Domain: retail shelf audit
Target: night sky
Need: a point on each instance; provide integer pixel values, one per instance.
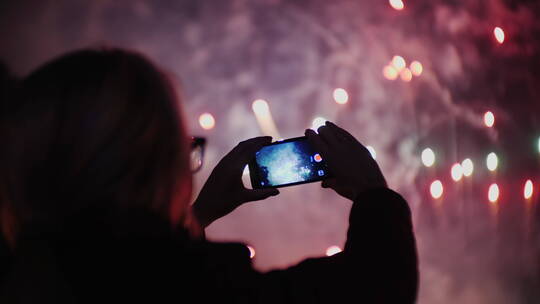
(223, 55)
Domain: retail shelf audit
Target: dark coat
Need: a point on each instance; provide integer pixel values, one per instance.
(377, 265)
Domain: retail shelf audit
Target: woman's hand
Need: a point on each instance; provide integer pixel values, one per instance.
(224, 191)
(350, 163)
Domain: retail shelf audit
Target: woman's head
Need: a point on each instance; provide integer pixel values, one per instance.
(7, 86)
(96, 129)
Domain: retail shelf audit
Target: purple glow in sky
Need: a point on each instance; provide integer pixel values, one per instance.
(294, 54)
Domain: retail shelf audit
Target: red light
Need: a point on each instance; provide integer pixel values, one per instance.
(499, 34)
(489, 119)
(317, 157)
(397, 4)
(436, 189)
(341, 96)
(528, 189)
(493, 193)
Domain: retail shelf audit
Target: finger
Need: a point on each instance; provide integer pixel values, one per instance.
(243, 153)
(248, 148)
(241, 146)
(238, 153)
(329, 183)
(316, 141)
(328, 136)
(259, 194)
(340, 131)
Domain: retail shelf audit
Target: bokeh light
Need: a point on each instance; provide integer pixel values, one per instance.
(468, 167)
(398, 63)
(333, 250)
(493, 193)
(416, 68)
(456, 172)
(372, 151)
(207, 121)
(294, 55)
(397, 4)
(492, 161)
(428, 157)
(499, 34)
(528, 189)
(436, 189)
(390, 72)
(260, 107)
(489, 119)
(318, 122)
(341, 96)
(251, 252)
(264, 118)
(406, 75)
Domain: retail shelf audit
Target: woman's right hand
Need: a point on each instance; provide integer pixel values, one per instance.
(350, 163)
(224, 191)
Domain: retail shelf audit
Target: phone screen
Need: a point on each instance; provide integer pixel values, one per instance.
(285, 163)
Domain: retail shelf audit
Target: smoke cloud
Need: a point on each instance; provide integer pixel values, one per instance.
(293, 54)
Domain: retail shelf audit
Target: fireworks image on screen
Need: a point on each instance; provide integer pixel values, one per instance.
(287, 163)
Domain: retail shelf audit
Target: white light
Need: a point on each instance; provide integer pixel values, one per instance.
(264, 118)
(499, 34)
(251, 252)
(246, 170)
(428, 157)
(456, 172)
(260, 107)
(492, 161)
(489, 119)
(468, 167)
(318, 122)
(207, 121)
(416, 68)
(341, 96)
(397, 4)
(398, 63)
(538, 144)
(372, 151)
(333, 250)
(528, 189)
(493, 193)
(436, 189)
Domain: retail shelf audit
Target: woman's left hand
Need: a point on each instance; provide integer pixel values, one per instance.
(224, 191)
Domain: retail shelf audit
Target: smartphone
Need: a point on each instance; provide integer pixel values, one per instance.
(285, 163)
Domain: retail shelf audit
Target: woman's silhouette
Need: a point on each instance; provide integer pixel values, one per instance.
(96, 176)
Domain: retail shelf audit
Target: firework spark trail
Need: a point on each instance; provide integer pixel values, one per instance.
(229, 53)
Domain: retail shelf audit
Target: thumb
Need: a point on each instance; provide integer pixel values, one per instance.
(329, 183)
(259, 194)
